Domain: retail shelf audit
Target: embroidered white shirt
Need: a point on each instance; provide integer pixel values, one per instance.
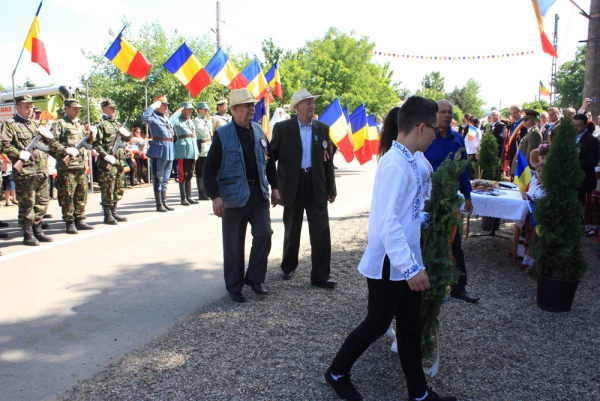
(394, 218)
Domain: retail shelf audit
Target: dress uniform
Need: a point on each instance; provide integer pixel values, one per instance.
(32, 180)
(221, 118)
(161, 149)
(111, 167)
(203, 126)
(186, 152)
(71, 164)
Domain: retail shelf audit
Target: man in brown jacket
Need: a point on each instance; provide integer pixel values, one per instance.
(531, 140)
(306, 182)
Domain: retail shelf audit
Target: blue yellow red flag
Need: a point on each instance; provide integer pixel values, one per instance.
(187, 68)
(522, 173)
(274, 80)
(338, 129)
(222, 70)
(127, 58)
(360, 135)
(34, 44)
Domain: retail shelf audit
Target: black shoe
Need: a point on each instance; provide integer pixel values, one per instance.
(464, 296)
(203, 197)
(163, 195)
(288, 275)
(108, 217)
(2, 235)
(432, 396)
(343, 386)
(47, 216)
(237, 297)
(323, 283)
(116, 215)
(28, 237)
(3, 224)
(71, 227)
(258, 288)
(81, 225)
(45, 226)
(39, 234)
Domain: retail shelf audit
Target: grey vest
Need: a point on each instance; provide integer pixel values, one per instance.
(233, 184)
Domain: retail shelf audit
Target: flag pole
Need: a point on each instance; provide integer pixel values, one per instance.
(14, 89)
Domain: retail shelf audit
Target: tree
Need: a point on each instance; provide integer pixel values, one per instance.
(467, 98)
(568, 84)
(339, 65)
(28, 83)
(539, 105)
(434, 86)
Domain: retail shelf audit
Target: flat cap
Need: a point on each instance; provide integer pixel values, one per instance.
(72, 103)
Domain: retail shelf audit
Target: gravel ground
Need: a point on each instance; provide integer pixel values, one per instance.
(277, 347)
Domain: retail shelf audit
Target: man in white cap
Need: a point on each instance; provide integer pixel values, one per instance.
(307, 181)
(237, 173)
(221, 118)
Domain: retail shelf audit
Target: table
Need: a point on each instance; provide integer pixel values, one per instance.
(508, 205)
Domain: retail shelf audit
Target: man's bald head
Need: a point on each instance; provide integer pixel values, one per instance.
(445, 114)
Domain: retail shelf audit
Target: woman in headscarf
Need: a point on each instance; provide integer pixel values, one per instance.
(278, 115)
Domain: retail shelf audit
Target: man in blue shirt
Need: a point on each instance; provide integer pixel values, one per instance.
(446, 143)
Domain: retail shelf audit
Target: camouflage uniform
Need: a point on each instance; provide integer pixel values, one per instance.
(71, 176)
(32, 181)
(111, 181)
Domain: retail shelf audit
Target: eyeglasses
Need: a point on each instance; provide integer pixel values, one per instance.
(430, 126)
(450, 112)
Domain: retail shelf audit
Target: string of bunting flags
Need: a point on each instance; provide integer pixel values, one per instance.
(452, 58)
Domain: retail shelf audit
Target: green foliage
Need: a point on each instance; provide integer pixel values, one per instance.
(434, 86)
(489, 161)
(568, 84)
(339, 65)
(505, 112)
(467, 98)
(28, 83)
(539, 105)
(157, 46)
(457, 114)
(435, 245)
(557, 248)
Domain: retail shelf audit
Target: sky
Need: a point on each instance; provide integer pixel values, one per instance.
(425, 27)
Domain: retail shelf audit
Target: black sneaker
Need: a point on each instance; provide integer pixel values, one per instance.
(343, 386)
(432, 396)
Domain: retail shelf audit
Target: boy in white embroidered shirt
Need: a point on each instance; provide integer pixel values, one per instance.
(392, 262)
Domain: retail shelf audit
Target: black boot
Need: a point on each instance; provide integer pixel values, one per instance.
(184, 201)
(71, 228)
(116, 215)
(201, 194)
(3, 224)
(39, 234)
(159, 204)
(45, 226)
(108, 217)
(188, 193)
(28, 237)
(163, 196)
(81, 225)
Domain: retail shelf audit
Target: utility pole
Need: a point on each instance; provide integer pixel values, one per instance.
(591, 85)
(553, 74)
(219, 24)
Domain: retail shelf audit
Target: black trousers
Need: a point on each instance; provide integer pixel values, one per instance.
(388, 299)
(185, 169)
(459, 257)
(235, 221)
(318, 230)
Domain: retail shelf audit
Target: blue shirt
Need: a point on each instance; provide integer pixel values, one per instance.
(442, 148)
(305, 138)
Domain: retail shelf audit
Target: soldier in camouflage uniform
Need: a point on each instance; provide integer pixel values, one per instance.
(32, 181)
(111, 168)
(71, 166)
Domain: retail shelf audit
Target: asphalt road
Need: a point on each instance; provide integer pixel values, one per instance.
(73, 306)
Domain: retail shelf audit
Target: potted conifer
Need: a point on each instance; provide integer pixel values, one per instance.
(487, 165)
(558, 260)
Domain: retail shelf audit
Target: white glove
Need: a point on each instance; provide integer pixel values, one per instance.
(45, 132)
(72, 152)
(24, 155)
(110, 159)
(156, 104)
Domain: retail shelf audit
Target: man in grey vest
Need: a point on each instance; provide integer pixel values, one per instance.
(237, 174)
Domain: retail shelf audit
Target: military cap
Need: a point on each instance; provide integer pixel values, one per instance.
(186, 105)
(60, 111)
(72, 103)
(220, 102)
(161, 98)
(108, 103)
(530, 113)
(201, 105)
(36, 109)
(24, 99)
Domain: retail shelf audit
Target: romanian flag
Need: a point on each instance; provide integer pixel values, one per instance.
(360, 135)
(338, 129)
(541, 7)
(261, 116)
(127, 58)
(347, 115)
(257, 83)
(522, 173)
(222, 70)
(373, 134)
(515, 130)
(274, 80)
(187, 68)
(472, 133)
(543, 90)
(34, 44)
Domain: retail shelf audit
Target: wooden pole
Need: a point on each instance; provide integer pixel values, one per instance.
(591, 86)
